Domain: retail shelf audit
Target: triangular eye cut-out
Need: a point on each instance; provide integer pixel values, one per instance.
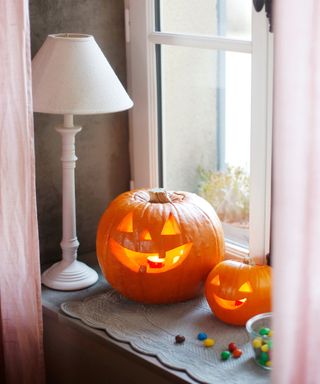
(216, 280)
(145, 235)
(170, 227)
(126, 224)
(246, 287)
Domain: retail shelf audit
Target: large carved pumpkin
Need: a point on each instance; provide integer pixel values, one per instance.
(236, 291)
(155, 246)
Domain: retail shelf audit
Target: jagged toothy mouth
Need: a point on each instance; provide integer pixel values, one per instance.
(150, 262)
(230, 304)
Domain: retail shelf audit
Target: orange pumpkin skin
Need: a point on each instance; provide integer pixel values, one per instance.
(181, 229)
(236, 291)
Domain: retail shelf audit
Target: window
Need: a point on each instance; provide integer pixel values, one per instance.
(199, 75)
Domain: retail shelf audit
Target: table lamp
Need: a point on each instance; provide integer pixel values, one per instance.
(71, 76)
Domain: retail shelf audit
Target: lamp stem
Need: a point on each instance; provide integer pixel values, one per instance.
(69, 274)
(69, 243)
(68, 120)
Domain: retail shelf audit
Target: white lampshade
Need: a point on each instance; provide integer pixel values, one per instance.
(71, 75)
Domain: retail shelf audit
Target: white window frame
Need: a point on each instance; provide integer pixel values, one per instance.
(141, 75)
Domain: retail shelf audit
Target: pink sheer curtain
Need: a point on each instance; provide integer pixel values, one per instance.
(296, 193)
(20, 301)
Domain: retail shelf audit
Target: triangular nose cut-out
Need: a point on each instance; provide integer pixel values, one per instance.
(246, 287)
(171, 226)
(145, 235)
(126, 224)
(216, 280)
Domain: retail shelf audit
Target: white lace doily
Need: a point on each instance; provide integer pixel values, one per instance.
(151, 329)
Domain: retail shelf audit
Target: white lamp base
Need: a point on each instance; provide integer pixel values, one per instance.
(69, 276)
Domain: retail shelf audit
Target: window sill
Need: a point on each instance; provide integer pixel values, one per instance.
(77, 353)
(235, 252)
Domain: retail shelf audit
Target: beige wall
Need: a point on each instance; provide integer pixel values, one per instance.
(102, 147)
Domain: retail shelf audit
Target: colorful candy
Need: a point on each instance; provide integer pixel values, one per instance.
(202, 336)
(237, 353)
(232, 347)
(225, 355)
(180, 339)
(232, 350)
(257, 342)
(264, 331)
(264, 357)
(209, 343)
(262, 346)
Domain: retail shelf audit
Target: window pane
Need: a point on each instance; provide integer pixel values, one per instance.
(206, 129)
(238, 109)
(189, 96)
(230, 18)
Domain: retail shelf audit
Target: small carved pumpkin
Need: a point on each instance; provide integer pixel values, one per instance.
(158, 247)
(236, 291)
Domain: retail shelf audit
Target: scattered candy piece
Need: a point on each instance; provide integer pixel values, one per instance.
(237, 353)
(265, 348)
(232, 347)
(269, 363)
(180, 339)
(225, 355)
(202, 336)
(270, 333)
(209, 343)
(264, 331)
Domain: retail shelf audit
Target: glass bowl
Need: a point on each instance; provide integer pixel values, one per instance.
(260, 333)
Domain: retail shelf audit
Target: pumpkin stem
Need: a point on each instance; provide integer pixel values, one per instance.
(160, 195)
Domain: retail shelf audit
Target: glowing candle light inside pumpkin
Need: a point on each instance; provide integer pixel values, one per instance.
(155, 261)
